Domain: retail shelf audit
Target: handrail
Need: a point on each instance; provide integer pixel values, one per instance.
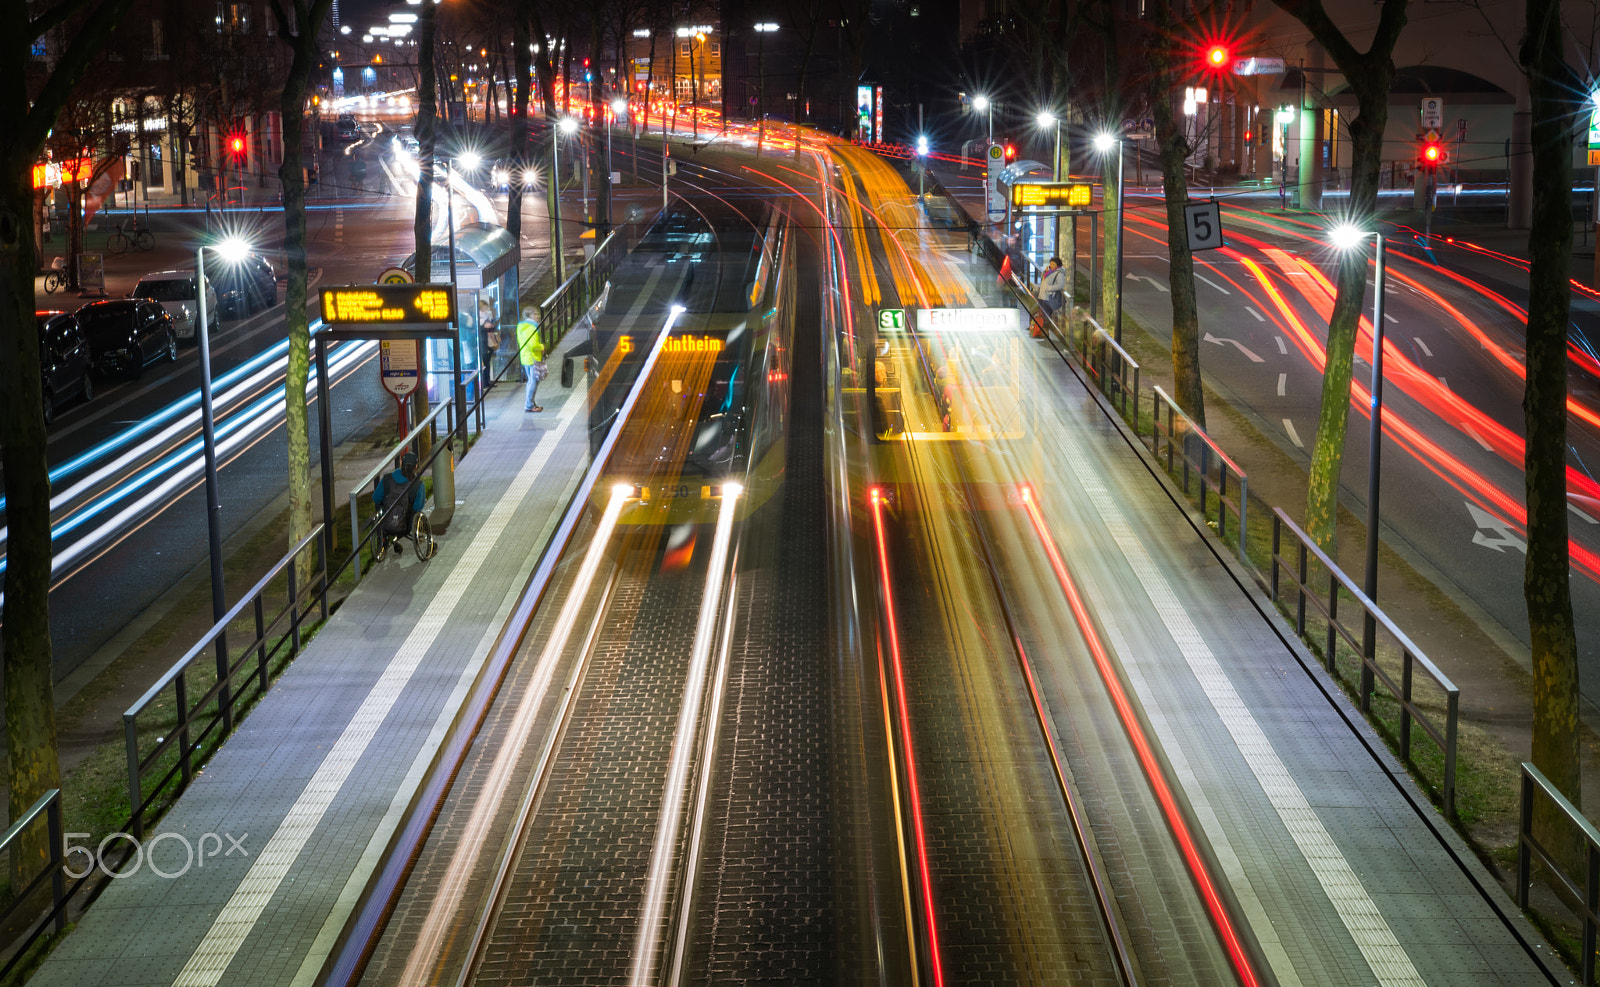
(221, 690)
(1208, 448)
(1410, 653)
(1124, 362)
(49, 805)
(356, 538)
(1588, 895)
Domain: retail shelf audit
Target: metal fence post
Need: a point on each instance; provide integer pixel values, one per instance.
(355, 533)
(1405, 702)
(1333, 622)
(1591, 900)
(1277, 543)
(1524, 833)
(58, 881)
(1451, 727)
(130, 735)
(1300, 608)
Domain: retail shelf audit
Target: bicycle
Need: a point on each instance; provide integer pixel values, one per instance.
(139, 237)
(55, 278)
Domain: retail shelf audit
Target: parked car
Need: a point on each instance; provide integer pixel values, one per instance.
(63, 361)
(349, 130)
(245, 286)
(124, 334)
(175, 291)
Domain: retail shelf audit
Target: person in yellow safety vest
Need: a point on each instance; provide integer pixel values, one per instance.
(530, 352)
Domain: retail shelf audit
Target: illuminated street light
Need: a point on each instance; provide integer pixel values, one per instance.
(982, 105)
(1348, 237)
(568, 125)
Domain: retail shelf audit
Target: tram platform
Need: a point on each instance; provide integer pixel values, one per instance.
(317, 778)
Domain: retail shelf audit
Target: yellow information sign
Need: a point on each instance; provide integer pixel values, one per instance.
(390, 303)
(1054, 195)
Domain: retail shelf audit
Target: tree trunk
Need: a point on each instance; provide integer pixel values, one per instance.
(292, 178)
(427, 135)
(1333, 416)
(29, 696)
(521, 161)
(1555, 107)
(1172, 147)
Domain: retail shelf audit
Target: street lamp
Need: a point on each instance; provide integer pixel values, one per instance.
(922, 161)
(1049, 121)
(566, 125)
(762, 30)
(1104, 143)
(231, 250)
(982, 105)
(619, 110)
(1347, 237)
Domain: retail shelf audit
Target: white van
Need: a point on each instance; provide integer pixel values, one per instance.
(175, 291)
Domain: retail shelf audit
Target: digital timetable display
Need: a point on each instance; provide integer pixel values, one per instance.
(1073, 195)
(387, 303)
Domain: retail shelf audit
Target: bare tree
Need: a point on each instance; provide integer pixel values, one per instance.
(1369, 74)
(72, 32)
(298, 28)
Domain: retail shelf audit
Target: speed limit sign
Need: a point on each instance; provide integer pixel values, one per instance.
(1203, 222)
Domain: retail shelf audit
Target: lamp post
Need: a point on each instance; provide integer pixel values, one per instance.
(231, 250)
(1348, 237)
(922, 157)
(762, 30)
(565, 125)
(1104, 143)
(619, 110)
(1047, 121)
(983, 105)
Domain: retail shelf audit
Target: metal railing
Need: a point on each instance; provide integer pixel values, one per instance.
(1111, 375)
(212, 716)
(1529, 845)
(568, 303)
(1180, 435)
(1305, 552)
(48, 808)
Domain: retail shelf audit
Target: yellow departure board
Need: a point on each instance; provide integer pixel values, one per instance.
(386, 303)
(1057, 195)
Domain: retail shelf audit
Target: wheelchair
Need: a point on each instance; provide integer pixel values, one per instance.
(394, 528)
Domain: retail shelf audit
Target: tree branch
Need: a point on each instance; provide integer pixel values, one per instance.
(97, 29)
(54, 17)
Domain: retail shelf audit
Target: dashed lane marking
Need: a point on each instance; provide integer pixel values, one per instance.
(1423, 346)
(1288, 426)
(1283, 348)
(1474, 435)
(1283, 383)
(1213, 284)
(1259, 317)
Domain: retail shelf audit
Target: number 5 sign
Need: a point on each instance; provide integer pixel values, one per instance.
(1203, 223)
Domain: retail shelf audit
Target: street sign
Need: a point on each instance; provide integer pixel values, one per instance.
(396, 275)
(399, 366)
(998, 319)
(892, 320)
(1594, 157)
(387, 303)
(1070, 195)
(1432, 113)
(1594, 126)
(1203, 223)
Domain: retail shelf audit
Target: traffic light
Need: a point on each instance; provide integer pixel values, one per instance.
(1011, 152)
(1431, 154)
(1217, 57)
(236, 146)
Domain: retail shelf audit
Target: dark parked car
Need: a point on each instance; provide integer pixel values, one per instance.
(124, 334)
(244, 287)
(64, 361)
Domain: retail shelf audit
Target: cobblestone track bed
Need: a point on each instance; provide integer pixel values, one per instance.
(1012, 896)
(767, 911)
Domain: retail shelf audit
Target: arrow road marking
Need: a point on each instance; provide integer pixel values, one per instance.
(1288, 426)
(1154, 283)
(1213, 284)
(1254, 313)
(1240, 346)
(1474, 435)
(1422, 345)
(1500, 535)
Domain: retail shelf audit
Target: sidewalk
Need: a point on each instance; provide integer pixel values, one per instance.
(314, 782)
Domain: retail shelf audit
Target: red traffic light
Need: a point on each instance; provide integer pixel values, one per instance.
(1217, 57)
(1249, 136)
(236, 146)
(1432, 154)
(1011, 151)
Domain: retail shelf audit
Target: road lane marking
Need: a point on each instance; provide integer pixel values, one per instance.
(1288, 426)
(1424, 346)
(1582, 515)
(1283, 382)
(1213, 284)
(1366, 925)
(1391, 318)
(1259, 317)
(1446, 385)
(1219, 340)
(1154, 283)
(1282, 347)
(1500, 536)
(1473, 434)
